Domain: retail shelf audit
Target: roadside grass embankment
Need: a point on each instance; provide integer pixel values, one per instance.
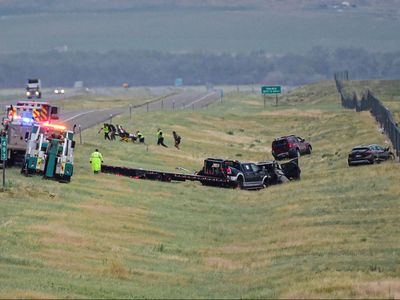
(332, 234)
(388, 91)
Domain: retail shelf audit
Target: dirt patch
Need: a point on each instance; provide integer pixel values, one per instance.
(175, 258)
(227, 137)
(222, 263)
(58, 234)
(254, 103)
(294, 112)
(389, 289)
(26, 295)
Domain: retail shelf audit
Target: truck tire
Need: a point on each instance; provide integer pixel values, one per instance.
(240, 183)
(283, 179)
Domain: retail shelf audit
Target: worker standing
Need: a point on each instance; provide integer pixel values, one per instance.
(177, 139)
(96, 160)
(160, 138)
(106, 130)
(140, 136)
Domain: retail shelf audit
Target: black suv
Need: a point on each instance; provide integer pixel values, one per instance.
(369, 154)
(290, 146)
(245, 175)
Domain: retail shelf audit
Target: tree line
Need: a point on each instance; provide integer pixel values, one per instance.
(152, 68)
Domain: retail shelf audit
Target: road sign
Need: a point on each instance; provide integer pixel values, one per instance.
(178, 82)
(271, 89)
(3, 141)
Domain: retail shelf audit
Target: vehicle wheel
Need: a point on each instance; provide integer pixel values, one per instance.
(372, 161)
(240, 184)
(309, 150)
(283, 179)
(265, 183)
(391, 155)
(297, 153)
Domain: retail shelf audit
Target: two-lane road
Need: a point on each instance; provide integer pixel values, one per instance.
(92, 117)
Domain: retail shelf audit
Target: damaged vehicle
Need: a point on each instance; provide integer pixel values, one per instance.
(281, 173)
(248, 175)
(368, 154)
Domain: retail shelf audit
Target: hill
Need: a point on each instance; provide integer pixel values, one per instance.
(333, 234)
(185, 26)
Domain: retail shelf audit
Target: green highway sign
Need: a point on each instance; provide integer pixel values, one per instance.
(178, 82)
(271, 89)
(3, 141)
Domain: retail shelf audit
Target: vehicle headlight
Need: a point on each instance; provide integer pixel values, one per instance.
(56, 91)
(28, 93)
(37, 93)
(62, 91)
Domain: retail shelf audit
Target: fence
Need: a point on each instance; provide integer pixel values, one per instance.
(369, 102)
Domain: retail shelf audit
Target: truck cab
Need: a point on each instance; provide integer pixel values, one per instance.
(33, 89)
(18, 123)
(246, 175)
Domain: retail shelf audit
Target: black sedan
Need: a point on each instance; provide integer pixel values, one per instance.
(368, 154)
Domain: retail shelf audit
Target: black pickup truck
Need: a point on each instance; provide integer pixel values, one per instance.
(248, 175)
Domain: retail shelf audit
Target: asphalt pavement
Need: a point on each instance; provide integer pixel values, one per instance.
(185, 100)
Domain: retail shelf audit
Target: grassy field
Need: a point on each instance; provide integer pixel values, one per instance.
(205, 29)
(334, 234)
(388, 91)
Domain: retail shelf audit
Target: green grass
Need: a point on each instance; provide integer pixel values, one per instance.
(334, 234)
(388, 91)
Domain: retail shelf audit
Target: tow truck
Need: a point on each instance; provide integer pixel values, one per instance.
(221, 173)
(18, 123)
(50, 152)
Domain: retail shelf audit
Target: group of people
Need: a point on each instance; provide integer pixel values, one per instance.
(160, 138)
(110, 132)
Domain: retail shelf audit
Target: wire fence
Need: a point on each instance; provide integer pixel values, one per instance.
(369, 102)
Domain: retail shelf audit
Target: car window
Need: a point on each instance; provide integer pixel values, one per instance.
(247, 168)
(255, 168)
(280, 142)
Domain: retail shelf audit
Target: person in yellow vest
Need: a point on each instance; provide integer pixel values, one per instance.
(96, 160)
(140, 136)
(106, 131)
(160, 138)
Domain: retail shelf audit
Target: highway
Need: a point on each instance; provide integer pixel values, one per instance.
(87, 118)
(185, 100)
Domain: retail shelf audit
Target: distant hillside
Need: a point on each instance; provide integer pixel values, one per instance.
(34, 6)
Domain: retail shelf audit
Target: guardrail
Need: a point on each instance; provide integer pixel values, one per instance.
(369, 102)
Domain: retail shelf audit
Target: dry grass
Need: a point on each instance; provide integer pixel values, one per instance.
(331, 235)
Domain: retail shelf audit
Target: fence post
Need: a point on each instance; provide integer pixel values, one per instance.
(80, 135)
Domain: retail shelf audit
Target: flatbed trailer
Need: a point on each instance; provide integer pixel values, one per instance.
(167, 176)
